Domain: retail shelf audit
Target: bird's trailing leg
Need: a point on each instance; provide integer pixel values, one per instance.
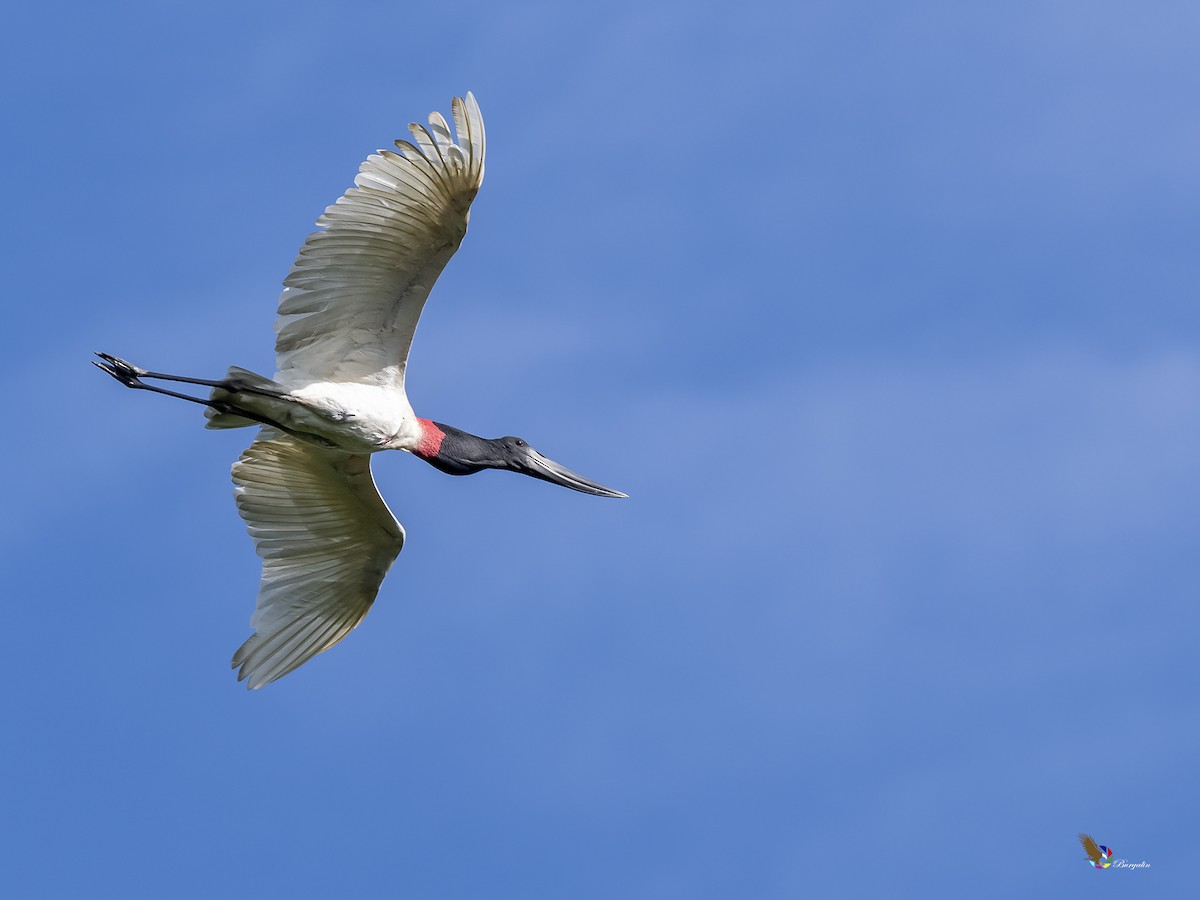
(130, 376)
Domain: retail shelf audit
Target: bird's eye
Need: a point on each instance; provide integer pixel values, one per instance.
(520, 443)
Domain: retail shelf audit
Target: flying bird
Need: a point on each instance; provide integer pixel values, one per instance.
(346, 320)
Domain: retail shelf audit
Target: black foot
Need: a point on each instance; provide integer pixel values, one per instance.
(126, 373)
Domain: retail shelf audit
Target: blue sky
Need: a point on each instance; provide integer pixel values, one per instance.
(885, 316)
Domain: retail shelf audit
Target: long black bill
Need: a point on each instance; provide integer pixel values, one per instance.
(548, 470)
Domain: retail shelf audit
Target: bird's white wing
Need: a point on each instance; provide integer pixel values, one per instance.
(355, 292)
(326, 539)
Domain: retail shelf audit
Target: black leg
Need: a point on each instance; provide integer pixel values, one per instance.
(131, 376)
(125, 372)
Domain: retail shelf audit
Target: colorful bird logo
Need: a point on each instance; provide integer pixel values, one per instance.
(1099, 856)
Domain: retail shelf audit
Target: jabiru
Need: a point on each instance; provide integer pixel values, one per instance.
(345, 323)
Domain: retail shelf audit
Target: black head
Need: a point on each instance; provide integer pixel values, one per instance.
(458, 452)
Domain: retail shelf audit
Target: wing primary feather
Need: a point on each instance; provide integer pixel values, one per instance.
(441, 132)
(478, 136)
(435, 162)
(462, 125)
(290, 652)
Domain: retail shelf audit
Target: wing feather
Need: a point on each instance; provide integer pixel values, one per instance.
(326, 539)
(474, 121)
(441, 132)
(425, 142)
(353, 297)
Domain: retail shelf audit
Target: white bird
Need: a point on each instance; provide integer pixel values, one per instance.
(346, 320)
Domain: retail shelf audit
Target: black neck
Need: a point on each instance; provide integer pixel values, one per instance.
(463, 453)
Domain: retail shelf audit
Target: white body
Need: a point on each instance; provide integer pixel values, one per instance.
(355, 417)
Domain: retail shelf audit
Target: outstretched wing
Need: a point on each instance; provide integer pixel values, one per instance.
(326, 539)
(355, 292)
(1090, 847)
